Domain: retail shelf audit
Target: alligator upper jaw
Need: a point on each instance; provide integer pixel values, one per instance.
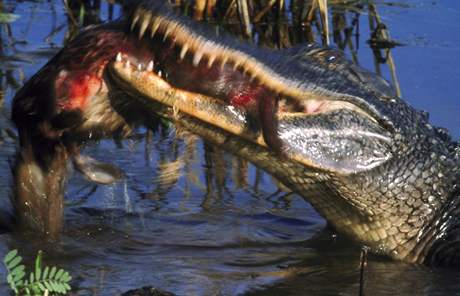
(240, 89)
(330, 136)
(192, 57)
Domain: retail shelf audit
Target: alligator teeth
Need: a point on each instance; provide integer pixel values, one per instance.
(118, 58)
(183, 51)
(127, 64)
(173, 42)
(136, 17)
(167, 32)
(211, 60)
(197, 58)
(235, 66)
(139, 67)
(144, 24)
(160, 74)
(150, 66)
(223, 62)
(155, 25)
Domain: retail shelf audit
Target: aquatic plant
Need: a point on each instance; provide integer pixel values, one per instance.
(6, 18)
(41, 281)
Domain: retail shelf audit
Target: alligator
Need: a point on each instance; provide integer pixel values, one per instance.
(336, 134)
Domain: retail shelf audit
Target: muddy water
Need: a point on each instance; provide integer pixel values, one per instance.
(194, 220)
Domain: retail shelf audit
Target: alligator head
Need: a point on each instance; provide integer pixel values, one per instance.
(371, 165)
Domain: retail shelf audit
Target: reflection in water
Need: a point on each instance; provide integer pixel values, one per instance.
(189, 217)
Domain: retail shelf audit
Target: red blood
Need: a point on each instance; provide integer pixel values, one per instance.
(246, 97)
(74, 90)
(83, 62)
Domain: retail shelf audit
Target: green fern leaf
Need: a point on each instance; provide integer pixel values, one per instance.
(18, 276)
(59, 288)
(14, 262)
(18, 269)
(43, 279)
(55, 286)
(48, 286)
(35, 289)
(38, 265)
(68, 277)
(45, 273)
(18, 272)
(12, 284)
(59, 274)
(67, 287)
(52, 272)
(8, 257)
(41, 286)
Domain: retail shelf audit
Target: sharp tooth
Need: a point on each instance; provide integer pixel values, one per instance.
(139, 67)
(160, 74)
(144, 24)
(173, 42)
(223, 62)
(127, 64)
(136, 17)
(211, 60)
(167, 32)
(150, 66)
(118, 58)
(235, 66)
(155, 25)
(197, 58)
(253, 77)
(183, 51)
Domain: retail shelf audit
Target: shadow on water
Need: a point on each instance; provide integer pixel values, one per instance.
(192, 219)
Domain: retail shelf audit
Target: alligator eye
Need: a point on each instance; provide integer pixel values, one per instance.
(331, 58)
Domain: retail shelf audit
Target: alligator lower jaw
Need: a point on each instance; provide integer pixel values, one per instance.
(150, 84)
